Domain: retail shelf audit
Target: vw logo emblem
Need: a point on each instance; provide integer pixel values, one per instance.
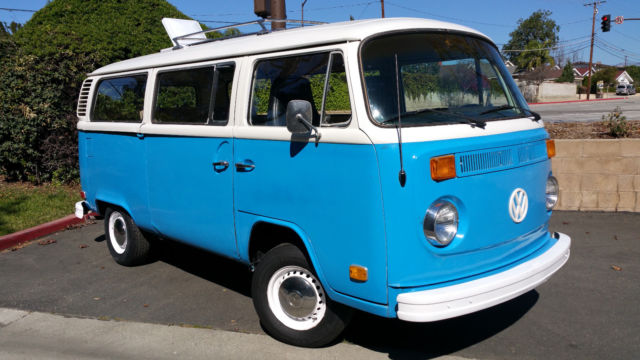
(518, 205)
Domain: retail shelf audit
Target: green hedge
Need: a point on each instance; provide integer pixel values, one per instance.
(43, 65)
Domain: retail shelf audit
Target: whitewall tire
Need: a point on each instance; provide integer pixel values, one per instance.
(126, 242)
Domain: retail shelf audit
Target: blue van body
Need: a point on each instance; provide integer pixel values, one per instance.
(342, 199)
(144, 185)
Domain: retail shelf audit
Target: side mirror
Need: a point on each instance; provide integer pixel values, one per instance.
(298, 116)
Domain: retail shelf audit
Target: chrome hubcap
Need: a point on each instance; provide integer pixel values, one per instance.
(296, 298)
(118, 232)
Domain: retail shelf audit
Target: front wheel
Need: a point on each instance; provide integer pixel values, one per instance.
(291, 302)
(126, 242)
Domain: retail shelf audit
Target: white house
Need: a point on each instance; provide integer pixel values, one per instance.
(622, 77)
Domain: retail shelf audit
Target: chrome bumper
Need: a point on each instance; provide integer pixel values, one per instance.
(472, 296)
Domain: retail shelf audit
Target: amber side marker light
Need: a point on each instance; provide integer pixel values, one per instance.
(443, 167)
(358, 273)
(551, 148)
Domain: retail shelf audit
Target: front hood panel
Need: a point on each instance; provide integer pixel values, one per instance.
(490, 169)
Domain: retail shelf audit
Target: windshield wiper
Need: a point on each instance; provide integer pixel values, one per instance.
(499, 108)
(535, 115)
(468, 119)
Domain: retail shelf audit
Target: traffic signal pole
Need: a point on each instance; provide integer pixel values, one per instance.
(593, 29)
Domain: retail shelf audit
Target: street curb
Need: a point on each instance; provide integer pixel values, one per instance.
(41, 230)
(575, 101)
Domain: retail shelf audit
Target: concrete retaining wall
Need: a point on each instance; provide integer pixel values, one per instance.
(601, 175)
(548, 91)
(557, 91)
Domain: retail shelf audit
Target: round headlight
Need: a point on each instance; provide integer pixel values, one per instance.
(551, 192)
(441, 223)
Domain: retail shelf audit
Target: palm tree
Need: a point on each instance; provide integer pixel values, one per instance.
(535, 55)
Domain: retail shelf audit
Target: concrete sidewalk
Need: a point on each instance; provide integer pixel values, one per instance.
(36, 335)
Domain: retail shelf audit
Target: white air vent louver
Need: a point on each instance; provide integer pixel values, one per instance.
(84, 98)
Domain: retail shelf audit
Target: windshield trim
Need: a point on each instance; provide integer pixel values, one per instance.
(409, 32)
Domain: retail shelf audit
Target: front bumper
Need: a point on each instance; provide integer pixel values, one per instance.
(472, 296)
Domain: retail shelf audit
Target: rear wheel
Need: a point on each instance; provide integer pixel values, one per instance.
(126, 242)
(291, 302)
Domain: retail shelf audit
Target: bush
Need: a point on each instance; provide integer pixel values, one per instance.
(617, 123)
(42, 66)
(37, 122)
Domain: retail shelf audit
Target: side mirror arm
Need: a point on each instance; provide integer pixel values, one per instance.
(314, 130)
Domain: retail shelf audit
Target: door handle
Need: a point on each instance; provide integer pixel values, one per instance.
(220, 166)
(244, 167)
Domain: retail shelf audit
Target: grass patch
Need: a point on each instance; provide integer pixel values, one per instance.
(24, 205)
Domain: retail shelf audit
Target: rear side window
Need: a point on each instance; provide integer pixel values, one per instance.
(317, 78)
(194, 96)
(120, 99)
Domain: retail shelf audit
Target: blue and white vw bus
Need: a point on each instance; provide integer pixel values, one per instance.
(386, 165)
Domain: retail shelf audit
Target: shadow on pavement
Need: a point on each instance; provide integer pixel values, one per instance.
(397, 338)
(217, 269)
(405, 340)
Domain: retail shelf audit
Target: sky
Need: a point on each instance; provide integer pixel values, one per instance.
(494, 18)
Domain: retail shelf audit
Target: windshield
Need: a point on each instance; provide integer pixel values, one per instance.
(443, 78)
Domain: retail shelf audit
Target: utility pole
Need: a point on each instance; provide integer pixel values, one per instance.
(278, 12)
(382, 6)
(593, 29)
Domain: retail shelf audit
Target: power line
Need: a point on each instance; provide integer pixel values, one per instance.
(295, 10)
(18, 10)
(220, 21)
(622, 57)
(557, 47)
(627, 36)
(616, 48)
(446, 17)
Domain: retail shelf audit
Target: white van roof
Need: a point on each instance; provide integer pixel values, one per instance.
(280, 40)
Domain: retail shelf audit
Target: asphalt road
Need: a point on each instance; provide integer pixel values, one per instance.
(588, 111)
(586, 311)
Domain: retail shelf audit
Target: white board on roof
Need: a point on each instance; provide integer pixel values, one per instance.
(180, 27)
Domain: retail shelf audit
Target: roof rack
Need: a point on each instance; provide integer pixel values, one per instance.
(260, 22)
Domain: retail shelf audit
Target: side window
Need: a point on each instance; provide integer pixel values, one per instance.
(302, 77)
(194, 96)
(337, 107)
(222, 100)
(120, 99)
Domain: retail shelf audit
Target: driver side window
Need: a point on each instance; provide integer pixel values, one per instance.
(302, 77)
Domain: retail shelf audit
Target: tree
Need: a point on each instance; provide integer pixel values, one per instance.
(7, 44)
(537, 31)
(536, 55)
(43, 65)
(634, 72)
(6, 30)
(606, 75)
(567, 74)
(112, 29)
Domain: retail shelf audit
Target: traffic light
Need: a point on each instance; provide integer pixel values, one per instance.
(606, 23)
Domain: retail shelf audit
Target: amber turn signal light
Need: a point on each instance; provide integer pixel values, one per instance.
(358, 273)
(443, 167)
(551, 148)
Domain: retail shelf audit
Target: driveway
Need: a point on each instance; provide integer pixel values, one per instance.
(586, 311)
